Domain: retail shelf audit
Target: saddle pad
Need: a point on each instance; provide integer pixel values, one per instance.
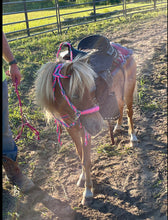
(123, 53)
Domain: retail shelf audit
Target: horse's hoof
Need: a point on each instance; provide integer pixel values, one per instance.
(133, 138)
(133, 143)
(87, 197)
(87, 201)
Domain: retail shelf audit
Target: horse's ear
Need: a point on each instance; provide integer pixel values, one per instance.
(67, 68)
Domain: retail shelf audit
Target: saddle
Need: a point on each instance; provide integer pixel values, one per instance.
(103, 60)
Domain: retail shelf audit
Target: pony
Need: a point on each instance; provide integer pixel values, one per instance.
(66, 91)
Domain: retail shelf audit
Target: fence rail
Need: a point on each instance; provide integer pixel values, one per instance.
(58, 18)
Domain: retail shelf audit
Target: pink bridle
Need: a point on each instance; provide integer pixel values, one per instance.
(56, 78)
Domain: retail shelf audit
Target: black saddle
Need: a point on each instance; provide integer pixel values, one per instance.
(96, 42)
(101, 60)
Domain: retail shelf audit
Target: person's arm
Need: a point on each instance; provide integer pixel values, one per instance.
(8, 57)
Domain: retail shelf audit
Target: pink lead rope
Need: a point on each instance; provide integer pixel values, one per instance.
(26, 123)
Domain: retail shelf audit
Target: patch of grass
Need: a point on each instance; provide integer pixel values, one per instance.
(128, 149)
(152, 82)
(108, 150)
(68, 16)
(65, 149)
(151, 106)
(13, 215)
(157, 183)
(76, 208)
(156, 195)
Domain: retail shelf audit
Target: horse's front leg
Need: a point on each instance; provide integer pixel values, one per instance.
(86, 162)
(78, 136)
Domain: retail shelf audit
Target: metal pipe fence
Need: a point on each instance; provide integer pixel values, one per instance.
(25, 21)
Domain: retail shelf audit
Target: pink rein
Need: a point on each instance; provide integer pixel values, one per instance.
(26, 123)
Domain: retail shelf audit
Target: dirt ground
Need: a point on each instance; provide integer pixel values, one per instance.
(130, 182)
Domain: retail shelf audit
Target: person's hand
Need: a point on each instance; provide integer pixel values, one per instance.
(14, 73)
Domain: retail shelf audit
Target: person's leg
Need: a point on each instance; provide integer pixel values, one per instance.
(9, 149)
(8, 144)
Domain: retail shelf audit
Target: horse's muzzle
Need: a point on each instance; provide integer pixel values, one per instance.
(93, 123)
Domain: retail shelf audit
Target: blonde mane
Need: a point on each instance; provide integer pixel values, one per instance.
(82, 76)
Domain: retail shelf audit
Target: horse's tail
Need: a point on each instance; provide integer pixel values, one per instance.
(43, 87)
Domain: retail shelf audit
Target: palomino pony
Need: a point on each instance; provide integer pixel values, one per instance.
(66, 90)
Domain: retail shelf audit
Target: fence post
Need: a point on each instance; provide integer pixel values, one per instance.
(154, 4)
(94, 10)
(58, 16)
(124, 8)
(26, 18)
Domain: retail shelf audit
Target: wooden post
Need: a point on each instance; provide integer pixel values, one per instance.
(94, 10)
(26, 18)
(58, 16)
(154, 4)
(124, 8)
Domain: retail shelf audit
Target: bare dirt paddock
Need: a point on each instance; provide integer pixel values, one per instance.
(130, 182)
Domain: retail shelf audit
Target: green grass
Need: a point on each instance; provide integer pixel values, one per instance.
(108, 150)
(68, 18)
(145, 87)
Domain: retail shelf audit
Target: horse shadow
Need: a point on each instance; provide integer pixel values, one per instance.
(102, 205)
(8, 203)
